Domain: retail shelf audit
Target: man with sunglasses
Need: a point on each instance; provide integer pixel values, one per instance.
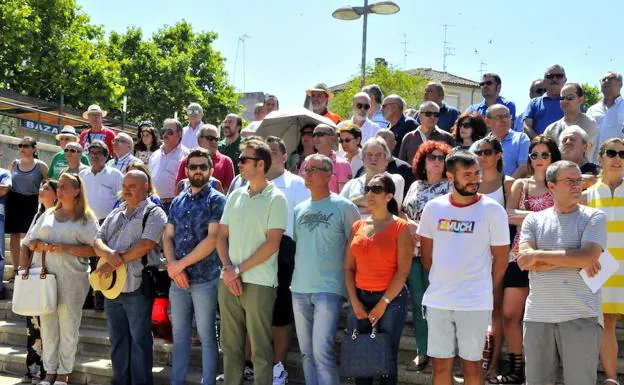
(491, 85)
(393, 107)
(360, 105)
(434, 92)
(563, 318)
(537, 89)
(59, 162)
(429, 115)
(165, 162)
(230, 145)
(375, 113)
(545, 109)
(572, 98)
(73, 153)
(254, 219)
(609, 112)
(194, 114)
(515, 144)
(189, 244)
(324, 141)
(122, 151)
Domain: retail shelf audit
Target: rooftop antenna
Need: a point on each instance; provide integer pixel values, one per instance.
(241, 42)
(447, 50)
(405, 50)
(482, 67)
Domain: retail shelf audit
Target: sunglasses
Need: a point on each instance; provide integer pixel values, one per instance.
(169, 132)
(433, 158)
(321, 134)
(554, 76)
(486, 152)
(540, 91)
(375, 189)
(360, 106)
(195, 167)
(72, 150)
(500, 117)
(430, 114)
(209, 138)
(347, 140)
(21, 145)
(96, 153)
(543, 155)
(567, 97)
(607, 79)
(146, 131)
(613, 153)
(310, 170)
(243, 159)
(486, 83)
(120, 141)
(465, 125)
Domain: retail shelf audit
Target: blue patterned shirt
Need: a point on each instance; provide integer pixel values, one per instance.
(190, 216)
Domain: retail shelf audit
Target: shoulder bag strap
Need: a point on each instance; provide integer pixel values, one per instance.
(147, 213)
(44, 267)
(504, 194)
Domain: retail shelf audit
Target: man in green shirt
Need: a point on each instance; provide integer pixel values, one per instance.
(59, 162)
(257, 215)
(230, 145)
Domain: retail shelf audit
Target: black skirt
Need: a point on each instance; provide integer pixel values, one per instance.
(20, 211)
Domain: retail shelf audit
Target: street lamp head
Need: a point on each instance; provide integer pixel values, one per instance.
(384, 8)
(346, 12)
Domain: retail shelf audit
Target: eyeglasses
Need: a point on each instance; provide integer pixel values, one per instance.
(310, 170)
(209, 138)
(486, 83)
(346, 140)
(195, 167)
(321, 134)
(120, 141)
(433, 158)
(360, 106)
(169, 132)
(567, 97)
(543, 155)
(386, 105)
(430, 114)
(22, 145)
(72, 150)
(540, 91)
(500, 117)
(243, 159)
(486, 152)
(607, 79)
(554, 76)
(375, 189)
(465, 125)
(614, 153)
(571, 182)
(307, 133)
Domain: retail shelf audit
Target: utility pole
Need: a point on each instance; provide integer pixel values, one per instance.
(447, 50)
(482, 67)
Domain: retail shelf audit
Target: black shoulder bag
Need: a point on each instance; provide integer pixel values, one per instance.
(155, 280)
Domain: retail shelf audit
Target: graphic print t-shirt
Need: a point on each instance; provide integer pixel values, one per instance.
(461, 272)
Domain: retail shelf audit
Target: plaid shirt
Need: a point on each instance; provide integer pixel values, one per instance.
(122, 163)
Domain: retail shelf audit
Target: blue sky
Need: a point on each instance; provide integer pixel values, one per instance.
(295, 44)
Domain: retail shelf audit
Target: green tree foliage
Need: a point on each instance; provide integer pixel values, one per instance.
(592, 95)
(391, 80)
(50, 47)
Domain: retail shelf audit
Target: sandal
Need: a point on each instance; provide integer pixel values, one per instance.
(60, 378)
(516, 372)
(611, 381)
(49, 378)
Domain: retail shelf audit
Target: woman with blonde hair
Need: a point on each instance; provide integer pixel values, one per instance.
(65, 233)
(608, 195)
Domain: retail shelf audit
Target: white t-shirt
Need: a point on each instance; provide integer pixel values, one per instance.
(461, 272)
(189, 136)
(102, 189)
(164, 169)
(293, 187)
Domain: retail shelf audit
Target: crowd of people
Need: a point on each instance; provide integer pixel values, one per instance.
(481, 220)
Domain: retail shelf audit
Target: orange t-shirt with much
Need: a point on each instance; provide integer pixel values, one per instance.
(376, 257)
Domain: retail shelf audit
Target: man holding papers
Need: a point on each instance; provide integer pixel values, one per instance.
(607, 195)
(562, 319)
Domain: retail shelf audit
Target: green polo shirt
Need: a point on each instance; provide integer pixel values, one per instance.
(59, 162)
(232, 151)
(249, 219)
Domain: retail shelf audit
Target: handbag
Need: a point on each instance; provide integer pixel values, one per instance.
(35, 291)
(155, 280)
(367, 355)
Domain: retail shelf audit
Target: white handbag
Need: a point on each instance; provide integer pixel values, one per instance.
(34, 291)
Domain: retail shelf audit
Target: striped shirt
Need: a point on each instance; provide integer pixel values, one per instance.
(560, 295)
(599, 196)
(122, 163)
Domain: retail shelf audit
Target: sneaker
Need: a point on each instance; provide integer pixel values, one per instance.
(248, 373)
(280, 375)
(220, 377)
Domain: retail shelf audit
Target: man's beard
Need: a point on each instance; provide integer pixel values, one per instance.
(464, 191)
(198, 181)
(357, 117)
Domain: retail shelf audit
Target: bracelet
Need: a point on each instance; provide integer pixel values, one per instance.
(386, 300)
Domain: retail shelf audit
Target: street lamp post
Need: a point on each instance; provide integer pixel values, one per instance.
(349, 12)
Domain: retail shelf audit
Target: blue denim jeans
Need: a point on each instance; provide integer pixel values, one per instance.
(417, 282)
(2, 254)
(391, 322)
(200, 299)
(316, 322)
(129, 329)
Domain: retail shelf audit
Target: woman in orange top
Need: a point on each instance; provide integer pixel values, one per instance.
(377, 263)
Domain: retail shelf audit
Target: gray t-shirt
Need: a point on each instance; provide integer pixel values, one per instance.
(561, 295)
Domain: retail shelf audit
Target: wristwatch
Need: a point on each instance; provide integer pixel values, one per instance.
(237, 270)
(386, 299)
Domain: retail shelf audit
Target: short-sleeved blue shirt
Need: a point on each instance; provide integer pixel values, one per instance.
(543, 110)
(190, 216)
(515, 151)
(481, 108)
(448, 117)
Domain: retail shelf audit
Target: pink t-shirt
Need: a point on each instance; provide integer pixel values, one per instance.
(341, 173)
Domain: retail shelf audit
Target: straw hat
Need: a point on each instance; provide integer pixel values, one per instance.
(94, 109)
(110, 286)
